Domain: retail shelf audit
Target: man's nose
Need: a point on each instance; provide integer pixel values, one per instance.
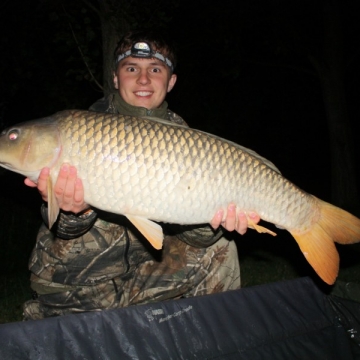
(143, 78)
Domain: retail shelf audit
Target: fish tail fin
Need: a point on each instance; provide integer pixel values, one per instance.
(317, 243)
(340, 224)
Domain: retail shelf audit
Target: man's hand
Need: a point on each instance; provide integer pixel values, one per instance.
(68, 188)
(233, 222)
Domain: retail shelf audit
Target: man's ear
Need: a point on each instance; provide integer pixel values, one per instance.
(172, 82)
(115, 81)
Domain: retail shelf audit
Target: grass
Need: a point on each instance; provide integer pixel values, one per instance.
(263, 258)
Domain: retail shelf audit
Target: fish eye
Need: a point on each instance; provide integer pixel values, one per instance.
(13, 134)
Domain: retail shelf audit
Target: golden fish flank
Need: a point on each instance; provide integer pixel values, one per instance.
(153, 169)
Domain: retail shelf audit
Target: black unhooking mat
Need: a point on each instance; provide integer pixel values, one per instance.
(285, 320)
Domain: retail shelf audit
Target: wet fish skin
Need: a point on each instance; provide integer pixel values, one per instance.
(154, 169)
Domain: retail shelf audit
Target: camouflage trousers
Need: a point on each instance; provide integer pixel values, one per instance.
(183, 271)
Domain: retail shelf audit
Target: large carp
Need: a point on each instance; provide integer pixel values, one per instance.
(148, 168)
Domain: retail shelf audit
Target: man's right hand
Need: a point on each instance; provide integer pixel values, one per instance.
(68, 189)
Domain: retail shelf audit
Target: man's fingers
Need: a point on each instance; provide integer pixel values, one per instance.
(230, 220)
(61, 182)
(254, 217)
(30, 183)
(242, 223)
(78, 199)
(217, 219)
(65, 189)
(233, 220)
(78, 192)
(69, 189)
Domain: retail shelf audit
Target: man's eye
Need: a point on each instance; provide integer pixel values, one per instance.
(156, 70)
(131, 69)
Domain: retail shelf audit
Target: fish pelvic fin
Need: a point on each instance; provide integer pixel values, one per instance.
(317, 243)
(151, 230)
(259, 228)
(53, 206)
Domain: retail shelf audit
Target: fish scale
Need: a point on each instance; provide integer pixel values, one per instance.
(147, 168)
(177, 171)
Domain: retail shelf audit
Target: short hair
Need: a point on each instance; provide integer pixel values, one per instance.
(153, 38)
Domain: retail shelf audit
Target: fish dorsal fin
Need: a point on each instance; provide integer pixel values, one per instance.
(53, 206)
(151, 230)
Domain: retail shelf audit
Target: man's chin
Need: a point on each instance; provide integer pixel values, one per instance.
(143, 103)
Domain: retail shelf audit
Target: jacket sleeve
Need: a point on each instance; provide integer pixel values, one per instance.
(194, 235)
(70, 226)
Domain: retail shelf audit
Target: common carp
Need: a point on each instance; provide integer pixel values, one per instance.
(154, 170)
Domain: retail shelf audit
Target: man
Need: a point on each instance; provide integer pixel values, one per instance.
(92, 261)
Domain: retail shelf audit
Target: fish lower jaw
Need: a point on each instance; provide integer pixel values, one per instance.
(7, 166)
(30, 174)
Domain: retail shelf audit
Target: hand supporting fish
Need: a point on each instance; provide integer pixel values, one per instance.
(68, 189)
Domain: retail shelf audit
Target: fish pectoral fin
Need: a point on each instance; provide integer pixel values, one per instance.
(151, 230)
(53, 206)
(259, 228)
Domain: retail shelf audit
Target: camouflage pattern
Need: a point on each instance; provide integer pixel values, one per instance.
(100, 261)
(182, 271)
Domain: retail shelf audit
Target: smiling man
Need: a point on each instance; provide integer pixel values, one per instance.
(144, 82)
(143, 75)
(93, 260)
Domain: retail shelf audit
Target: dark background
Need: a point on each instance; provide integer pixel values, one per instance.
(244, 73)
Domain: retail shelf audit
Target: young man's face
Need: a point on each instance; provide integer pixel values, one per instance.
(143, 82)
